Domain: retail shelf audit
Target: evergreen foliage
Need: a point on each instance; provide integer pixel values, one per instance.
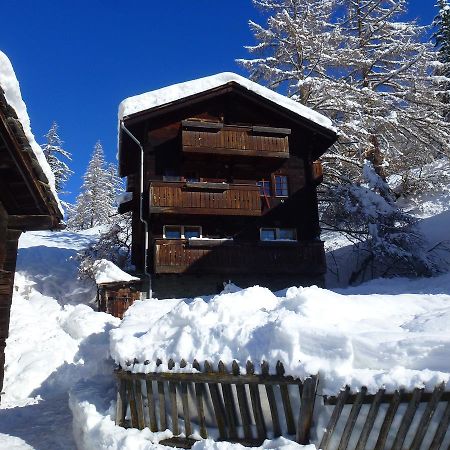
(54, 151)
(442, 41)
(96, 203)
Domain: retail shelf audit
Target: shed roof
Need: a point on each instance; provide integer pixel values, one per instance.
(14, 114)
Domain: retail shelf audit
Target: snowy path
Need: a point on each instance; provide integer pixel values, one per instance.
(54, 341)
(46, 425)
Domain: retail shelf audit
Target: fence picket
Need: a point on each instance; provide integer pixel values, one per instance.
(217, 404)
(256, 404)
(441, 429)
(407, 419)
(151, 406)
(387, 422)
(426, 417)
(272, 402)
(370, 420)
(243, 403)
(286, 401)
(230, 408)
(185, 403)
(356, 408)
(199, 395)
(325, 442)
(121, 408)
(139, 404)
(308, 396)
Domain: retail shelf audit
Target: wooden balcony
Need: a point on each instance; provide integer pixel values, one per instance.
(171, 197)
(235, 140)
(212, 257)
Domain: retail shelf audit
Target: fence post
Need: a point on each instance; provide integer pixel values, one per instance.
(306, 409)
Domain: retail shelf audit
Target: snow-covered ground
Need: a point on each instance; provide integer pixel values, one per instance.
(59, 389)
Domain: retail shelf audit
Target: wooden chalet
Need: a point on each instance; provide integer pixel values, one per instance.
(26, 203)
(228, 186)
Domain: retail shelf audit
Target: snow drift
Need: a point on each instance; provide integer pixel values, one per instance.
(361, 340)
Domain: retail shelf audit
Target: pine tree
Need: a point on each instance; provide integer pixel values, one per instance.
(96, 203)
(442, 43)
(53, 151)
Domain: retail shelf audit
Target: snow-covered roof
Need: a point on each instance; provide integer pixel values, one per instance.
(107, 272)
(11, 91)
(163, 96)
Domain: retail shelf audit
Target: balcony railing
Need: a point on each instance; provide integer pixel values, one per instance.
(204, 198)
(236, 140)
(184, 256)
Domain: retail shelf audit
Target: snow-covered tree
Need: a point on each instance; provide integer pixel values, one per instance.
(114, 245)
(361, 64)
(55, 155)
(96, 203)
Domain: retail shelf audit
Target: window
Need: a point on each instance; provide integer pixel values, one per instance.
(181, 232)
(192, 232)
(172, 232)
(264, 188)
(281, 185)
(287, 234)
(192, 177)
(278, 234)
(171, 175)
(268, 234)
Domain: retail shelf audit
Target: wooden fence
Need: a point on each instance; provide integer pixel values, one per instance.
(248, 408)
(402, 420)
(243, 408)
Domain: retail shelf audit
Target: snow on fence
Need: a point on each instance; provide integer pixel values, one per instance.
(248, 408)
(218, 399)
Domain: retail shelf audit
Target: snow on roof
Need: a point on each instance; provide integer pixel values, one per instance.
(11, 89)
(107, 272)
(163, 96)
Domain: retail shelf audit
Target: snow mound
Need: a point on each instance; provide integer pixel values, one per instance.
(178, 91)
(107, 272)
(360, 340)
(11, 88)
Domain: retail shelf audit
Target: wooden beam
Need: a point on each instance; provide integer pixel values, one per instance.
(31, 222)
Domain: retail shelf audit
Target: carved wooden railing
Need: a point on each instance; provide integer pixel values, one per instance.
(183, 256)
(204, 198)
(200, 137)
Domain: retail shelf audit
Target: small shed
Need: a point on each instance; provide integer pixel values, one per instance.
(116, 290)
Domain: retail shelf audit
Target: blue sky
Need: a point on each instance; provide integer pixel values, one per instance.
(76, 61)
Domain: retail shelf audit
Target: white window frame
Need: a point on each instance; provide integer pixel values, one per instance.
(277, 234)
(182, 227)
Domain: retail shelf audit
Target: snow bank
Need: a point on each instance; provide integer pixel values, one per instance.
(11, 88)
(361, 340)
(45, 338)
(107, 272)
(175, 92)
